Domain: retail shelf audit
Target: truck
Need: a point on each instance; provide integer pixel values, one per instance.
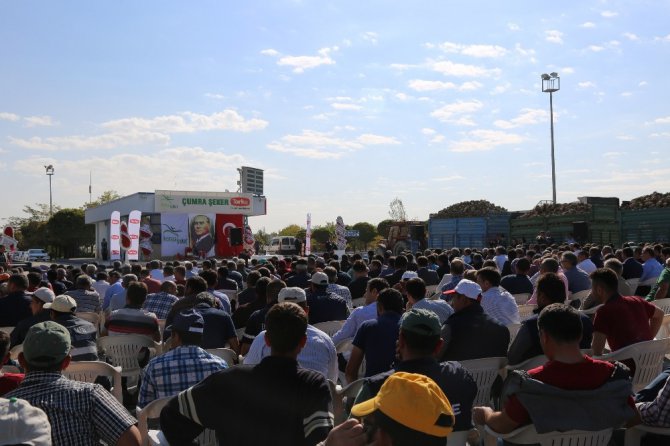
(404, 236)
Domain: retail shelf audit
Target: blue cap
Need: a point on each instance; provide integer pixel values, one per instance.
(188, 321)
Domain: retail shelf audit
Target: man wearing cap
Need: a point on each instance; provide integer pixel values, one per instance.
(185, 365)
(235, 402)
(82, 333)
(470, 333)
(334, 287)
(87, 300)
(39, 297)
(409, 409)
(15, 306)
(324, 305)
(415, 290)
(418, 342)
(376, 339)
(301, 276)
(80, 413)
(23, 424)
(364, 313)
(318, 352)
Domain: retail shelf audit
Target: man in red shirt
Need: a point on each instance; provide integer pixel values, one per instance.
(622, 320)
(530, 400)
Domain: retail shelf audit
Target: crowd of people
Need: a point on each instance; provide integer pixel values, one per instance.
(404, 325)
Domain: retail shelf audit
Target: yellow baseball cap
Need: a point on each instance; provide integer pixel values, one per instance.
(414, 401)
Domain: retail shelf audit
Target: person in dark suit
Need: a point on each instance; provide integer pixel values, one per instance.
(201, 235)
(429, 276)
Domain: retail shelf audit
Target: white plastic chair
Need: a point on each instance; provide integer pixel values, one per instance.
(358, 302)
(648, 358)
(591, 310)
(14, 352)
(633, 283)
(528, 435)
(92, 317)
(329, 327)
(153, 411)
(529, 364)
(580, 296)
(122, 351)
(663, 304)
(484, 371)
(430, 290)
(648, 282)
(88, 371)
(513, 331)
(526, 311)
(521, 298)
(664, 331)
(338, 395)
(634, 434)
(344, 345)
(7, 330)
(226, 354)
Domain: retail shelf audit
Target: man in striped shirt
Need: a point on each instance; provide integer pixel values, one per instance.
(132, 319)
(296, 413)
(88, 300)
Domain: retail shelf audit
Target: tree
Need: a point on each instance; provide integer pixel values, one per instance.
(383, 227)
(322, 234)
(39, 213)
(262, 237)
(68, 235)
(30, 231)
(397, 210)
(367, 232)
(105, 197)
(290, 230)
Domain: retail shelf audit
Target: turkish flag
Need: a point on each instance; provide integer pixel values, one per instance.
(224, 222)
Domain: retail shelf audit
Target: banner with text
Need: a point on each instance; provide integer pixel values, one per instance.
(134, 221)
(176, 202)
(174, 234)
(115, 236)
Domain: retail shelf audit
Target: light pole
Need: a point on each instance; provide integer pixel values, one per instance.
(551, 83)
(50, 172)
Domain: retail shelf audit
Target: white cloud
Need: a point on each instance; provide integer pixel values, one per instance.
(371, 37)
(402, 97)
(448, 178)
(663, 39)
(215, 96)
(567, 70)
(437, 139)
(625, 137)
(34, 121)
(527, 116)
(302, 63)
(513, 26)
(631, 36)
(499, 89)
(609, 14)
(553, 36)
(613, 154)
(426, 85)
(320, 145)
(665, 120)
(473, 50)
(5, 116)
(270, 52)
(470, 85)
(345, 106)
(626, 93)
(188, 122)
(529, 53)
(428, 131)
(484, 140)
(642, 84)
(449, 68)
(586, 84)
(588, 25)
(595, 48)
(142, 131)
(457, 112)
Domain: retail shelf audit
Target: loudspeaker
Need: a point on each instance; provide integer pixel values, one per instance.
(580, 230)
(417, 232)
(235, 236)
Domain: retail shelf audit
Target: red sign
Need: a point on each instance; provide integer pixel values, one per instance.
(134, 221)
(134, 237)
(240, 201)
(115, 222)
(114, 251)
(132, 252)
(115, 237)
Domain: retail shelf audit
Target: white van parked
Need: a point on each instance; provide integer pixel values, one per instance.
(283, 245)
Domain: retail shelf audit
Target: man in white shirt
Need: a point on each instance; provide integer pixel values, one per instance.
(364, 313)
(319, 352)
(100, 285)
(497, 303)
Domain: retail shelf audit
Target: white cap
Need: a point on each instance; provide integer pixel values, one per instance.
(21, 423)
(44, 294)
(292, 294)
(409, 275)
(319, 278)
(467, 288)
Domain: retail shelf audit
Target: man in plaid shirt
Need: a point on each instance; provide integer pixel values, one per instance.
(79, 413)
(160, 303)
(185, 365)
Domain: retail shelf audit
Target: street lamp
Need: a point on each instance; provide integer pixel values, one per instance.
(50, 172)
(551, 83)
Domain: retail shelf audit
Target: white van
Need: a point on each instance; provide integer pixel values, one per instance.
(283, 245)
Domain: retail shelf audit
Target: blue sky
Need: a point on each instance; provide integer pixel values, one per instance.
(345, 104)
